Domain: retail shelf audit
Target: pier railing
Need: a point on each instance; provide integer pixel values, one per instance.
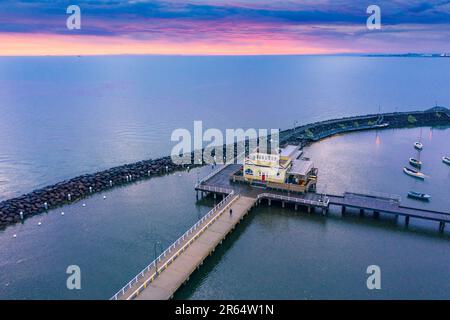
(174, 248)
(211, 174)
(316, 203)
(215, 189)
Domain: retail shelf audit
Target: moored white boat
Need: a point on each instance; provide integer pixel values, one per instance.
(418, 145)
(446, 160)
(415, 163)
(413, 173)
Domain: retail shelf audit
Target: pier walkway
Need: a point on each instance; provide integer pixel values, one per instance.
(363, 200)
(165, 275)
(162, 278)
(385, 204)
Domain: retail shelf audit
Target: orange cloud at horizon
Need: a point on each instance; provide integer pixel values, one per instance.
(21, 44)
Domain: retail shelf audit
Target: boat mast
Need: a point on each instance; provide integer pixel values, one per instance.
(419, 150)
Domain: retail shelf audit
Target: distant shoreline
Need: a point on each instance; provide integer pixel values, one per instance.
(69, 191)
(411, 55)
(357, 54)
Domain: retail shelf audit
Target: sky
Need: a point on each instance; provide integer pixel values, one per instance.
(223, 27)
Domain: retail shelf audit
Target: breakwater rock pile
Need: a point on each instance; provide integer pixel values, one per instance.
(437, 116)
(14, 210)
(37, 201)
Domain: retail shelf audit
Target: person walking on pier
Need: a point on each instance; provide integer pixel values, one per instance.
(231, 212)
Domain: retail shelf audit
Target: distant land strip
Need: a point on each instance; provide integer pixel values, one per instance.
(69, 191)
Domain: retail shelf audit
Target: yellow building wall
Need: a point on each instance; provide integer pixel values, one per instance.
(271, 174)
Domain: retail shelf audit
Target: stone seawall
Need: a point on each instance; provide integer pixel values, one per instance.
(302, 135)
(47, 198)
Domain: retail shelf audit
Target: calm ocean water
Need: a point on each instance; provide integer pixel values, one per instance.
(60, 117)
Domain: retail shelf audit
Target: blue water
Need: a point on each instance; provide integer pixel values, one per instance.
(283, 254)
(65, 116)
(60, 117)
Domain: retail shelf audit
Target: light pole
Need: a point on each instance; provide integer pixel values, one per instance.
(157, 243)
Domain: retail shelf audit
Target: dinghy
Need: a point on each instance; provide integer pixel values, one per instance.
(446, 160)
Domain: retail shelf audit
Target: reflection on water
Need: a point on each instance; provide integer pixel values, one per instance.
(377, 139)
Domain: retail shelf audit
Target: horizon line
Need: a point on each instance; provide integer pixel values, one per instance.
(229, 54)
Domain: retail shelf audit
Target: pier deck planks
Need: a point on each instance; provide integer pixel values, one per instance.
(170, 279)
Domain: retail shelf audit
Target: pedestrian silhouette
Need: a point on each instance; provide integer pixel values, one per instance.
(231, 212)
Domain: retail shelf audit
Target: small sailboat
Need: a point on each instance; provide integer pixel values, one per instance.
(419, 195)
(415, 163)
(446, 160)
(413, 173)
(418, 145)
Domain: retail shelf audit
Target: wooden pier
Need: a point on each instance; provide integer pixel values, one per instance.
(364, 201)
(162, 278)
(165, 275)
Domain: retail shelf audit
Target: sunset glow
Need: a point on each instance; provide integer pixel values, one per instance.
(222, 27)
